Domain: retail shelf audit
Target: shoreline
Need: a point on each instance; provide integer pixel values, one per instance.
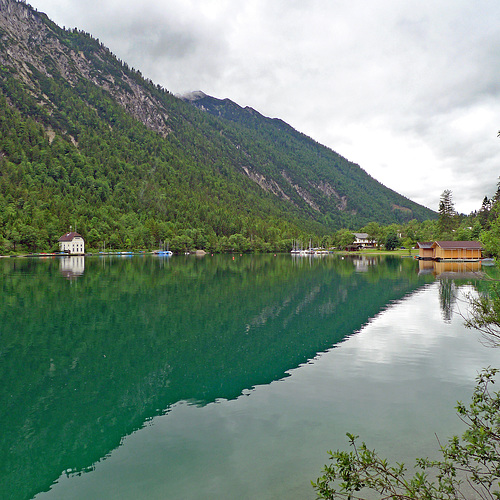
(344, 253)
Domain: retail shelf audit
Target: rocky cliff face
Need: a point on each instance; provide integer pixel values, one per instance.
(28, 39)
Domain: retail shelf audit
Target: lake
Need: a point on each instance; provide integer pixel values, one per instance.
(225, 376)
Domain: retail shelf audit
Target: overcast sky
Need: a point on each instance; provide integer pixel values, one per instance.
(408, 89)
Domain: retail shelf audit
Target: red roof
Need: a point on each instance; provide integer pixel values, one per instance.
(70, 236)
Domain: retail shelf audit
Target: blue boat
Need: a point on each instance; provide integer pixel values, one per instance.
(163, 253)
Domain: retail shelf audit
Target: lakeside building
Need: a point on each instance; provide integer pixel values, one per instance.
(362, 240)
(425, 250)
(72, 243)
(450, 250)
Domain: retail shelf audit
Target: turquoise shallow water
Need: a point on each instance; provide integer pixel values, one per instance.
(151, 378)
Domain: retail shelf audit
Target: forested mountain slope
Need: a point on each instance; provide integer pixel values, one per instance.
(86, 141)
(299, 166)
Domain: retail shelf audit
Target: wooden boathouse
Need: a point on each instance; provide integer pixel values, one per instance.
(450, 250)
(425, 250)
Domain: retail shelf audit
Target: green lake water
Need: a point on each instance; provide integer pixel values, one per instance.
(220, 377)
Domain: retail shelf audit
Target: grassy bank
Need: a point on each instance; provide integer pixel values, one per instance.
(374, 251)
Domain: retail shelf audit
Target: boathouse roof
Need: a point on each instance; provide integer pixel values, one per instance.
(452, 245)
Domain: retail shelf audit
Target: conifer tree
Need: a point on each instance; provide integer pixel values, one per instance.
(447, 214)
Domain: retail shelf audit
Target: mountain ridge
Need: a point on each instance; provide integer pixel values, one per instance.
(231, 111)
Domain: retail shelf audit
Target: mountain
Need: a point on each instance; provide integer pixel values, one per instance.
(298, 165)
(86, 141)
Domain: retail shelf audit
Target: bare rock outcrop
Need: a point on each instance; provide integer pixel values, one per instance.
(29, 40)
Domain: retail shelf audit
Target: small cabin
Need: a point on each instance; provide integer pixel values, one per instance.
(425, 250)
(450, 250)
(72, 244)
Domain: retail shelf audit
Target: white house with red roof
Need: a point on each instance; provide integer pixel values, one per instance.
(72, 243)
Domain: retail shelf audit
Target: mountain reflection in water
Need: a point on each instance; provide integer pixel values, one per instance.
(85, 362)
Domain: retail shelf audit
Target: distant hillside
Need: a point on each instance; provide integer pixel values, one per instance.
(86, 141)
(299, 168)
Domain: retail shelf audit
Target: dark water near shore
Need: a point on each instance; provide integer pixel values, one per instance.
(157, 378)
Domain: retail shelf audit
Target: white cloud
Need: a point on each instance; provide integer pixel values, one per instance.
(408, 90)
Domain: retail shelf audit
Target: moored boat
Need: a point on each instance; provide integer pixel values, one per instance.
(488, 262)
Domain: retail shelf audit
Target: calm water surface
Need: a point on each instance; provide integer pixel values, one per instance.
(184, 378)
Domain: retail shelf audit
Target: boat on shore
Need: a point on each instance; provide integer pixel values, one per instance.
(163, 253)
